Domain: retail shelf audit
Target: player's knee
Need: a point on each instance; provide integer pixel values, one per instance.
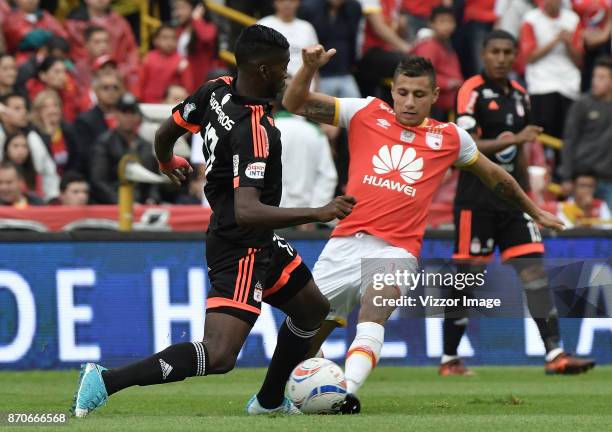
(221, 359)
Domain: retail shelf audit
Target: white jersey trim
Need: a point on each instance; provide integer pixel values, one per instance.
(346, 108)
(468, 151)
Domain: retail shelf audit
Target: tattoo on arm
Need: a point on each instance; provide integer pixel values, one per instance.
(321, 112)
(510, 191)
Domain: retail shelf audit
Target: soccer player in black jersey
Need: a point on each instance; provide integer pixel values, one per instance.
(247, 262)
(495, 110)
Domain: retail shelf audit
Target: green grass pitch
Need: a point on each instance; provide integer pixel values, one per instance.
(394, 399)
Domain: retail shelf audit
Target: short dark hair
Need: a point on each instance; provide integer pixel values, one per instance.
(5, 98)
(604, 61)
(499, 34)
(48, 63)
(57, 43)
(7, 164)
(586, 172)
(91, 30)
(161, 28)
(71, 177)
(416, 66)
(256, 42)
(441, 10)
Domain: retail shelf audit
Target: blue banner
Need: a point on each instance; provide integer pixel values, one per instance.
(63, 303)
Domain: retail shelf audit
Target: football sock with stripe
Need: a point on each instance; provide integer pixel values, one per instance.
(363, 354)
(293, 343)
(175, 363)
(454, 328)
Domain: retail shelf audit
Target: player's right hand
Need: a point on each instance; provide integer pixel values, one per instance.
(315, 56)
(176, 169)
(549, 220)
(340, 207)
(530, 133)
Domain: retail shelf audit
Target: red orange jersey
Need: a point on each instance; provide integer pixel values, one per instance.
(395, 170)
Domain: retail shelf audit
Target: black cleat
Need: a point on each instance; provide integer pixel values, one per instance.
(351, 405)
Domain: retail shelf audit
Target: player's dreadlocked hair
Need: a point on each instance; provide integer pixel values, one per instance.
(257, 41)
(415, 66)
(499, 34)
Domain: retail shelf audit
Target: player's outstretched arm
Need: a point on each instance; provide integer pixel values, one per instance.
(299, 99)
(506, 187)
(174, 167)
(251, 212)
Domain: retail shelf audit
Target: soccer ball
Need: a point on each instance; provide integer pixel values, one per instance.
(317, 386)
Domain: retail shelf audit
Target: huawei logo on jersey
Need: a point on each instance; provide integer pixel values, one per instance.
(399, 160)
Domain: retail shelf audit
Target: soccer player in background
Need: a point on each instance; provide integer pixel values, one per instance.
(495, 111)
(247, 262)
(398, 157)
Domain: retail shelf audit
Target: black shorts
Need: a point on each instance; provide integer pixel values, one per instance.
(477, 232)
(241, 277)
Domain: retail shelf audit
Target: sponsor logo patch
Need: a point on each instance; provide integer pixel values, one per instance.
(255, 170)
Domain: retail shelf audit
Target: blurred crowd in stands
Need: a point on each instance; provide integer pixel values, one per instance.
(71, 90)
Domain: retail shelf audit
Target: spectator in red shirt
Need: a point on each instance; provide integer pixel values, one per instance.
(595, 26)
(439, 50)
(97, 44)
(163, 66)
(52, 74)
(479, 17)
(25, 25)
(383, 48)
(123, 44)
(197, 40)
(418, 13)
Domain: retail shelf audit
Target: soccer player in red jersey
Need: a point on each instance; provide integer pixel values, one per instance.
(398, 157)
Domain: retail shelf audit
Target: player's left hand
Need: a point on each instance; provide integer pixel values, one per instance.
(549, 220)
(315, 56)
(176, 169)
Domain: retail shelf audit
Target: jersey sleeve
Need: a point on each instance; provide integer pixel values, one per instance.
(346, 108)
(468, 151)
(189, 114)
(370, 6)
(467, 96)
(250, 149)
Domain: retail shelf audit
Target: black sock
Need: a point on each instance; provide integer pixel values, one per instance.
(175, 363)
(543, 312)
(455, 319)
(454, 329)
(292, 346)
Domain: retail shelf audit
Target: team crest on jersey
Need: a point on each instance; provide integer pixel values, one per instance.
(187, 110)
(433, 139)
(407, 136)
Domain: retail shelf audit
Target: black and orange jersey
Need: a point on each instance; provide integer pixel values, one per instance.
(487, 111)
(242, 148)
